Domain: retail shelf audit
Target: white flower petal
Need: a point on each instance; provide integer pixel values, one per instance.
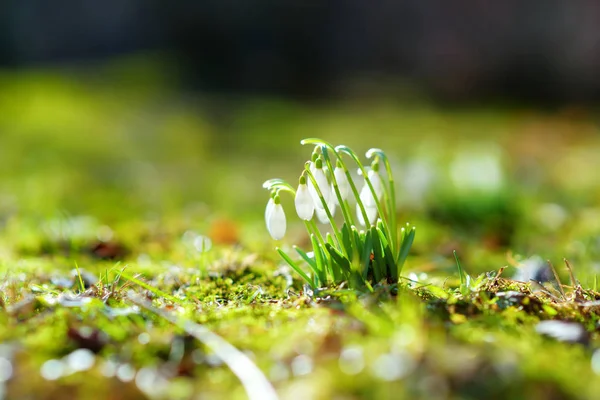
(305, 207)
(322, 214)
(268, 209)
(371, 215)
(332, 206)
(323, 186)
(342, 181)
(377, 183)
(359, 216)
(276, 223)
(366, 196)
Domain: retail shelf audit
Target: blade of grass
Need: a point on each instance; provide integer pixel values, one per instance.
(310, 261)
(391, 267)
(347, 241)
(322, 268)
(407, 241)
(366, 256)
(79, 278)
(255, 383)
(460, 270)
(150, 288)
(296, 267)
(571, 274)
(378, 263)
(342, 264)
(560, 287)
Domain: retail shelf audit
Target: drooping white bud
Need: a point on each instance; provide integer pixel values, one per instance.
(371, 214)
(377, 183)
(366, 196)
(342, 182)
(322, 184)
(305, 207)
(276, 223)
(322, 214)
(268, 209)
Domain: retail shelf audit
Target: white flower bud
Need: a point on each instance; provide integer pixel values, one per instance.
(268, 209)
(322, 214)
(377, 183)
(276, 223)
(342, 181)
(305, 207)
(371, 215)
(366, 196)
(322, 184)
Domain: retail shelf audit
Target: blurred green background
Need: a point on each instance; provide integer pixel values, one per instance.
(118, 144)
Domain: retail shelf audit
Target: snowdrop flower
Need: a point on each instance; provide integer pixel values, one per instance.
(305, 207)
(322, 184)
(366, 196)
(342, 180)
(371, 214)
(322, 214)
(275, 218)
(376, 181)
(321, 189)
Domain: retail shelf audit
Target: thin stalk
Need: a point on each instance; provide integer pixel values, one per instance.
(356, 195)
(312, 228)
(558, 282)
(279, 186)
(361, 206)
(345, 210)
(349, 151)
(324, 146)
(571, 275)
(344, 167)
(460, 270)
(392, 192)
(338, 234)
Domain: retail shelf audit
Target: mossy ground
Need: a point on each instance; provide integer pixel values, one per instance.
(108, 179)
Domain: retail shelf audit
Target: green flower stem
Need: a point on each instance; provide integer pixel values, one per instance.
(338, 234)
(279, 184)
(392, 193)
(356, 195)
(316, 141)
(344, 207)
(325, 144)
(312, 228)
(391, 231)
(359, 202)
(353, 155)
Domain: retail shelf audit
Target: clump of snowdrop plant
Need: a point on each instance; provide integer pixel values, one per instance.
(367, 247)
